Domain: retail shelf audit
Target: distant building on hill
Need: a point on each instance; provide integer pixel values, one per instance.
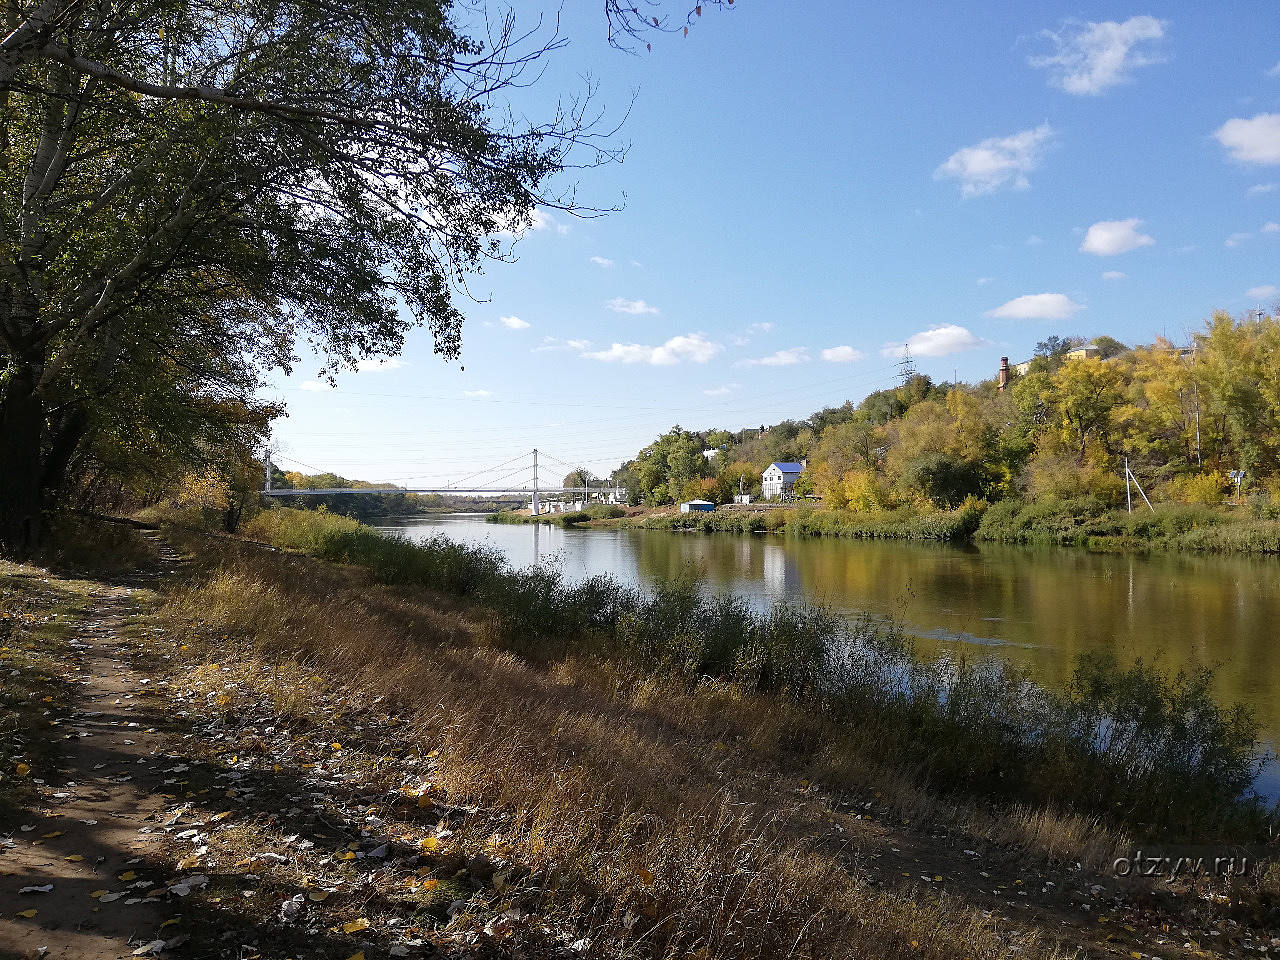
(1087, 352)
(779, 479)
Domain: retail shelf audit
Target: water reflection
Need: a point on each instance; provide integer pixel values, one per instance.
(1036, 607)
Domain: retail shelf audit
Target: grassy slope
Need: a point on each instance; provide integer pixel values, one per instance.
(673, 818)
(1170, 765)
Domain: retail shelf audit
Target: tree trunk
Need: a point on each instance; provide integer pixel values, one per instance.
(21, 471)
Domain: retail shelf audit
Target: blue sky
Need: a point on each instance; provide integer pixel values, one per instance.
(812, 184)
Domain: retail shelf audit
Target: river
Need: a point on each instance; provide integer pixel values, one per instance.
(1039, 607)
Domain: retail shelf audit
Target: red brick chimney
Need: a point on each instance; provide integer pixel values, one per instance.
(1004, 374)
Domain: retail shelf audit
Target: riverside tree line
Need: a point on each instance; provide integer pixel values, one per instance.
(1184, 417)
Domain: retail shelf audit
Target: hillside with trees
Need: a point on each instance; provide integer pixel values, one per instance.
(1183, 417)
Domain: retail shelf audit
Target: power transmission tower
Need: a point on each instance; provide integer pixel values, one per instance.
(906, 366)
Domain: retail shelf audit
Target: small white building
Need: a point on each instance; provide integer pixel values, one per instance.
(779, 479)
(742, 498)
(697, 506)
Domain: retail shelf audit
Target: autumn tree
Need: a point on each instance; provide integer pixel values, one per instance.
(188, 187)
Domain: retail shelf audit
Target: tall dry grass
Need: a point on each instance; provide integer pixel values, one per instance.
(1125, 743)
(671, 815)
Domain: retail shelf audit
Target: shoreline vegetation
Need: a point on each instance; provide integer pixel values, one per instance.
(596, 765)
(1082, 522)
(1140, 751)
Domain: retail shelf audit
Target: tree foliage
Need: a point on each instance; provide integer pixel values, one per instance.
(189, 188)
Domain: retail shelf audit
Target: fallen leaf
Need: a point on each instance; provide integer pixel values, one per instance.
(97, 893)
(27, 914)
(316, 896)
(128, 875)
(22, 769)
(355, 926)
(75, 858)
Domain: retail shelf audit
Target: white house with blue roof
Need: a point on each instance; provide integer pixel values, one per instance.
(778, 479)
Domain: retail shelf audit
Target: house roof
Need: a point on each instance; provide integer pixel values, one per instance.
(788, 467)
(707, 503)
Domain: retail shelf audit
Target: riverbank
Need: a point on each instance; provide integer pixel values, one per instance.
(559, 793)
(967, 728)
(1082, 523)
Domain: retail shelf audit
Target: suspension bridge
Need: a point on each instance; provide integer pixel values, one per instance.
(521, 478)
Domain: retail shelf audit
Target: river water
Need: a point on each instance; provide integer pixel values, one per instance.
(1039, 607)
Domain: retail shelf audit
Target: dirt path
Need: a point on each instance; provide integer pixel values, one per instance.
(94, 823)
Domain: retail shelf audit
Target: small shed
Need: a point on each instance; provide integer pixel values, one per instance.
(697, 506)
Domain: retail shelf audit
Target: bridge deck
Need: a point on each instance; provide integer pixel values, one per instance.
(456, 490)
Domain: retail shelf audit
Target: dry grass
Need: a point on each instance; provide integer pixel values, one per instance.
(680, 820)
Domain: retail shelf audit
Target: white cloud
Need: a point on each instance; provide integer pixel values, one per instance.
(1090, 57)
(1113, 275)
(693, 347)
(841, 355)
(1260, 188)
(1271, 227)
(783, 358)
(514, 323)
(379, 364)
(1106, 238)
(723, 391)
(1238, 238)
(476, 394)
(542, 220)
(1265, 292)
(742, 339)
(510, 225)
(315, 386)
(633, 307)
(1256, 140)
(556, 343)
(996, 162)
(602, 262)
(983, 281)
(1034, 240)
(937, 341)
(1037, 306)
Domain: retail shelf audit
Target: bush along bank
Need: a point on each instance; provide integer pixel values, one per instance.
(1147, 752)
(572, 518)
(904, 523)
(1084, 522)
(1087, 522)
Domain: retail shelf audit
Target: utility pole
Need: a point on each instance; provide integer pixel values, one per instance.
(266, 466)
(1129, 474)
(1195, 388)
(535, 481)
